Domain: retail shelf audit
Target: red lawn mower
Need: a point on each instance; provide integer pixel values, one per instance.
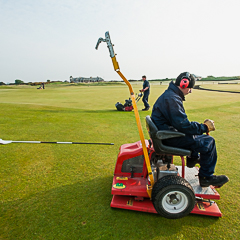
(145, 178)
(128, 107)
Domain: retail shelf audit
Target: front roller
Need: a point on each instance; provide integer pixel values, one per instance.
(173, 197)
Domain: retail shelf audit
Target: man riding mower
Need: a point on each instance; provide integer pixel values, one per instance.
(145, 178)
(169, 114)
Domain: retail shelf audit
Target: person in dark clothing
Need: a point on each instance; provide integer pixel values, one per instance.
(169, 114)
(146, 92)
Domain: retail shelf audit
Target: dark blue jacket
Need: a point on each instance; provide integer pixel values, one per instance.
(146, 84)
(169, 114)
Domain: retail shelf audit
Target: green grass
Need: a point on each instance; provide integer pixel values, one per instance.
(64, 191)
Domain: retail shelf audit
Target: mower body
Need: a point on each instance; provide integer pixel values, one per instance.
(128, 107)
(130, 181)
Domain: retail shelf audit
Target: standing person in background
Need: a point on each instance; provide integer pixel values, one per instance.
(146, 92)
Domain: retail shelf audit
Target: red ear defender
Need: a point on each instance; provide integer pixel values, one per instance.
(184, 83)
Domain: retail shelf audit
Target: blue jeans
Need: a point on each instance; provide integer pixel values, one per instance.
(203, 144)
(145, 99)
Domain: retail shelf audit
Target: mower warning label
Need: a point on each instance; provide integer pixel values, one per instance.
(121, 178)
(201, 207)
(119, 186)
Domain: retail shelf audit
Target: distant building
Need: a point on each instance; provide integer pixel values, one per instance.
(197, 77)
(83, 79)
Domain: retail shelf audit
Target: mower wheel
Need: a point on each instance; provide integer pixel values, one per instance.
(173, 197)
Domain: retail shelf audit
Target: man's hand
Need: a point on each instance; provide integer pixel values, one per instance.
(141, 90)
(210, 125)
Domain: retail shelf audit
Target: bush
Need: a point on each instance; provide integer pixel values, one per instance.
(18, 81)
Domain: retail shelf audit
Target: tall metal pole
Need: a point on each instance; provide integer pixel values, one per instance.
(4, 142)
(139, 125)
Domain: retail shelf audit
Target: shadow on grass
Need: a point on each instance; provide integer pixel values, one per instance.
(100, 110)
(82, 211)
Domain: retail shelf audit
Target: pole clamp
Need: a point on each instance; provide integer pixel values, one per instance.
(109, 44)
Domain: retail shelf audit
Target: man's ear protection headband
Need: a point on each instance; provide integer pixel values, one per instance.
(185, 81)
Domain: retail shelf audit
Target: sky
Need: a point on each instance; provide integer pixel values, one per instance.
(56, 39)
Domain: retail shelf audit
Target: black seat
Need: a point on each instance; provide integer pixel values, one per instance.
(158, 136)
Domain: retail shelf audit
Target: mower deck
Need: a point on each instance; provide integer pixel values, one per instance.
(125, 190)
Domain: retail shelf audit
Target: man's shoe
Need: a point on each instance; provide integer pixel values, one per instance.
(214, 180)
(191, 162)
(146, 109)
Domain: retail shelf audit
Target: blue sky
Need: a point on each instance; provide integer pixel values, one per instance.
(54, 39)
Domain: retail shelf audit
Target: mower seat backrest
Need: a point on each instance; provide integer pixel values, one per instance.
(157, 137)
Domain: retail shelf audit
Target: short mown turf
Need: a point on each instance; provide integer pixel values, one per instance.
(64, 191)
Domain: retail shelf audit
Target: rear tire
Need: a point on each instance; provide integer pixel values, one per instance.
(173, 197)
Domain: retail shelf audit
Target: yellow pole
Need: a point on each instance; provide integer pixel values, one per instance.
(139, 125)
(117, 69)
